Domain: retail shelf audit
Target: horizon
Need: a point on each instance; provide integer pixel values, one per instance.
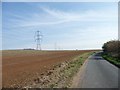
(85, 25)
(50, 49)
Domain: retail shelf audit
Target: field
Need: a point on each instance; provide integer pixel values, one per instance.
(20, 67)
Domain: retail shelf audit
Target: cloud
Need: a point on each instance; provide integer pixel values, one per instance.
(69, 16)
(52, 16)
(71, 29)
(88, 15)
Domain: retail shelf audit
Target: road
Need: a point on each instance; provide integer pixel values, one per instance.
(98, 73)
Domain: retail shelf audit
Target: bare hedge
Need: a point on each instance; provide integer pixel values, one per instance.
(112, 48)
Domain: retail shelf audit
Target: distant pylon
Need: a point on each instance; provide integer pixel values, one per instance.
(55, 46)
(38, 39)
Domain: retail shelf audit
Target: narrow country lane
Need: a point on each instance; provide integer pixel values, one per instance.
(98, 73)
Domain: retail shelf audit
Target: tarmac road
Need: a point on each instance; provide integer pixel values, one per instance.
(98, 73)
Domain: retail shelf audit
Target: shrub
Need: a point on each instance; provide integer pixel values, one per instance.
(112, 48)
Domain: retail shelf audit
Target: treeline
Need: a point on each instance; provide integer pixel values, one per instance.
(111, 51)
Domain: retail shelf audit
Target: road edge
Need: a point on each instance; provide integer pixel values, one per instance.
(79, 75)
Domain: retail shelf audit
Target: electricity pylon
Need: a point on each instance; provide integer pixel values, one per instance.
(38, 39)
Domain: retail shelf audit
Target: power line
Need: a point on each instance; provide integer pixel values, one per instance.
(55, 46)
(38, 39)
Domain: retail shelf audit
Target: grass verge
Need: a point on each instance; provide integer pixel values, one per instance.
(61, 75)
(111, 59)
(69, 70)
(73, 68)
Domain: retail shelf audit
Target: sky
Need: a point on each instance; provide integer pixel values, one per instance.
(60, 0)
(64, 25)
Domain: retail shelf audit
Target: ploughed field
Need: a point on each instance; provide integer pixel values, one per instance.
(20, 67)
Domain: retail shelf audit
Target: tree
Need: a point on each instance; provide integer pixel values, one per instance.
(112, 48)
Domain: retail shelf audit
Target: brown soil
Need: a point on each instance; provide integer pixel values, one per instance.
(20, 67)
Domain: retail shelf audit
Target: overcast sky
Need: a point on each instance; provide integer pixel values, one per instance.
(80, 25)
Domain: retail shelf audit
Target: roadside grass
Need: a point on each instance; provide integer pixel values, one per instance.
(61, 75)
(70, 70)
(111, 59)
